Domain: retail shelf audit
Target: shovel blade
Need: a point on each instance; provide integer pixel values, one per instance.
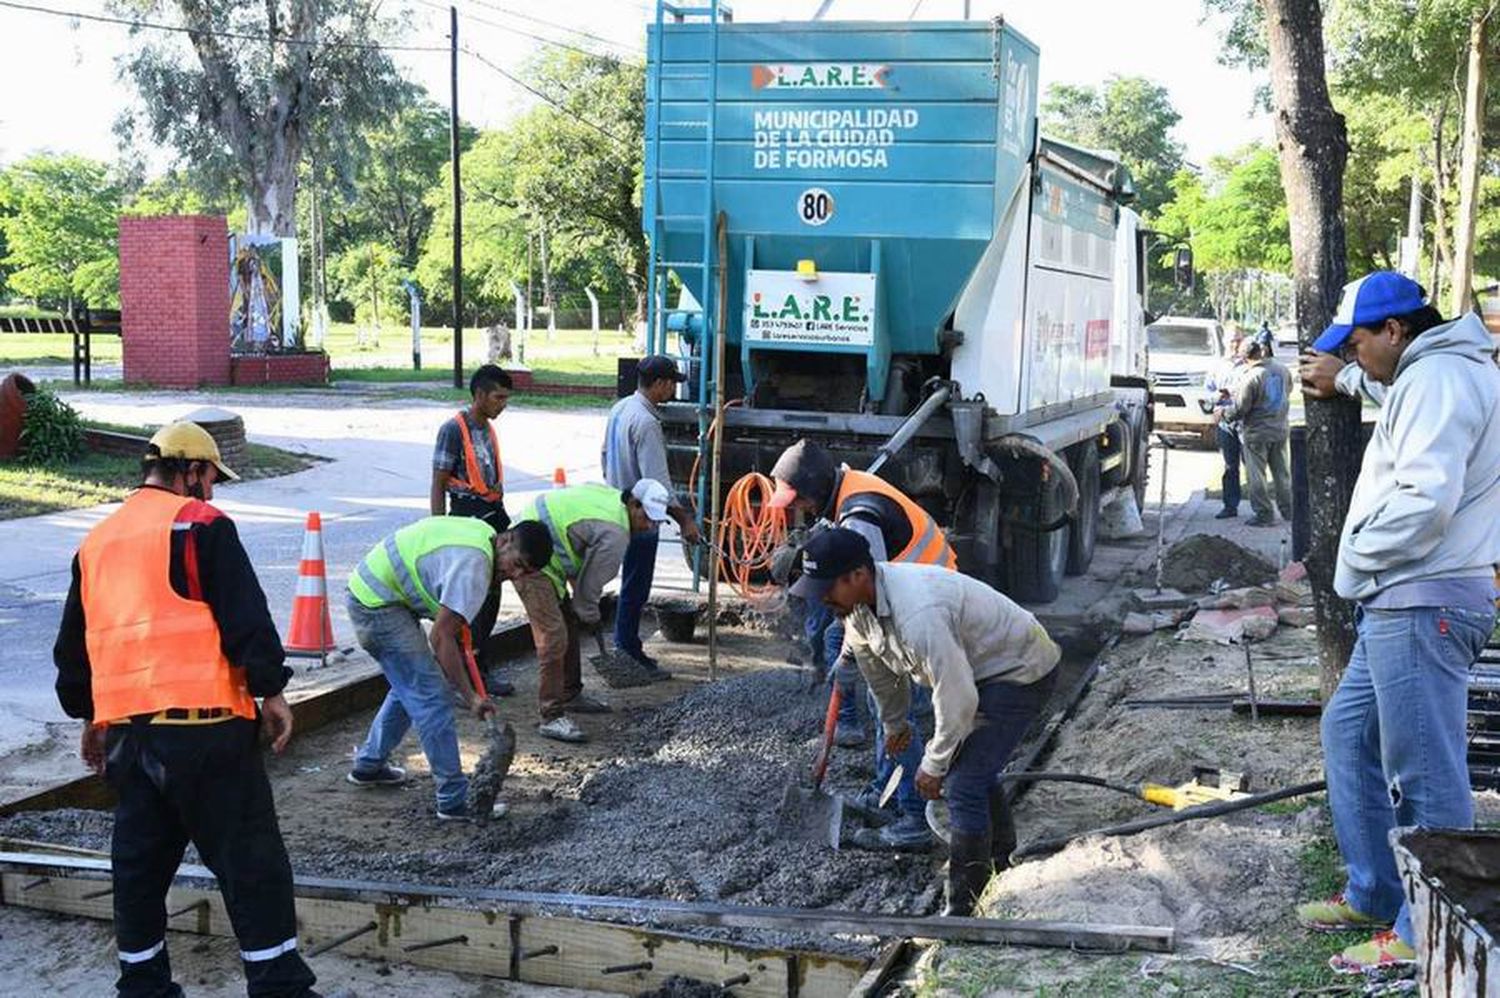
(811, 816)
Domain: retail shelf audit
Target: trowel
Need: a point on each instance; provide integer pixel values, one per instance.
(810, 812)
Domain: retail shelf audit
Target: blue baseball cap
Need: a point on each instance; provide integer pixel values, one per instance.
(1372, 299)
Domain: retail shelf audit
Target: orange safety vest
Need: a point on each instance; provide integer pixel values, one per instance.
(928, 546)
(473, 480)
(149, 649)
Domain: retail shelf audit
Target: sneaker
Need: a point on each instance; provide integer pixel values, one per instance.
(1226, 514)
(909, 833)
(1336, 915)
(849, 735)
(561, 729)
(385, 776)
(1384, 952)
(585, 704)
(1260, 521)
(460, 812)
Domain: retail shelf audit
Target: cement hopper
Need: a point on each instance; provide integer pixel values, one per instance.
(863, 167)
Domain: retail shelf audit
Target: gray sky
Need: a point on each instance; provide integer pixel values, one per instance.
(62, 94)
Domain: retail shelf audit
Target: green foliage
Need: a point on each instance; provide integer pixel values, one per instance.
(52, 432)
(367, 279)
(59, 214)
(1129, 115)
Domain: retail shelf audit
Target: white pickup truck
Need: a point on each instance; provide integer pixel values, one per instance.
(1182, 356)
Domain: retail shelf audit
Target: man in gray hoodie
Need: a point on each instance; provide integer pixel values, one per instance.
(1417, 554)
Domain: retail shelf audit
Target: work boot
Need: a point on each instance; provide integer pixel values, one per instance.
(562, 729)
(909, 833)
(650, 667)
(585, 704)
(1261, 521)
(969, 871)
(1002, 830)
(1226, 514)
(849, 734)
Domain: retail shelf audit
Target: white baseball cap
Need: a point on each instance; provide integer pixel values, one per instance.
(653, 495)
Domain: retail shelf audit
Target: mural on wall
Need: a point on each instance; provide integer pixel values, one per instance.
(263, 299)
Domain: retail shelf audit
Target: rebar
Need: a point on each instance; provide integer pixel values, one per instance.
(532, 954)
(627, 968)
(435, 943)
(340, 940)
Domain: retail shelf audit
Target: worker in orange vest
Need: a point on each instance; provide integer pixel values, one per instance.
(897, 529)
(468, 479)
(165, 643)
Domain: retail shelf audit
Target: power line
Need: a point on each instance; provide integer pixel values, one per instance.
(518, 31)
(233, 35)
(561, 27)
(546, 97)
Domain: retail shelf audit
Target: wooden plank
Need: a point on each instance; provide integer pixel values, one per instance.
(584, 954)
(662, 912)
(882, 969)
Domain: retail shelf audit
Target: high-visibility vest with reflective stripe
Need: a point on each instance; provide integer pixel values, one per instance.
(927, 546)
(149, 648)
(389, 576)
(560, 509)
(473, 480)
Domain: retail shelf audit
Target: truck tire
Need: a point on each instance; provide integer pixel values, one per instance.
(1141, 475)
(1037, 559)
(1084, 529)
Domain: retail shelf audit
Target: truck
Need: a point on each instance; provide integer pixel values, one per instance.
(1185, 354)
(859, 236)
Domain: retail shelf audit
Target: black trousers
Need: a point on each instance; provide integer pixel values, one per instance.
(205, 784)
(494, 514)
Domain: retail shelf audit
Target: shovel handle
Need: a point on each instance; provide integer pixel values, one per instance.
(830, 723)
(472, 663)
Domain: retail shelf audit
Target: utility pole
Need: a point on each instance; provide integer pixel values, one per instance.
(1411, 245)
(458, 212)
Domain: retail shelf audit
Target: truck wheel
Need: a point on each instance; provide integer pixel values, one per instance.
(1142, 467)
(1037, 558)
(1085, 526)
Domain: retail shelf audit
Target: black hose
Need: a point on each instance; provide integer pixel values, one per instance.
(1093, 781)
(1044, 847)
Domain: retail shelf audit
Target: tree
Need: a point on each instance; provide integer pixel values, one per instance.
(1468, 175)
(367, 279)
(60, 218)
(266, 83)
(1313, 148)
(1129, 115)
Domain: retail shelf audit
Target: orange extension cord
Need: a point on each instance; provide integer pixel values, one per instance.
(749, 531)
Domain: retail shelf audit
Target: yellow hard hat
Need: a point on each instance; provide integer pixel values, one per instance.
(191, 442)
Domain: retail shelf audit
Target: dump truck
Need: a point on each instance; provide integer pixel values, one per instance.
(859, 236)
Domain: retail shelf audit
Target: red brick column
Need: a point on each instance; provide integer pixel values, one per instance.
(174, 300)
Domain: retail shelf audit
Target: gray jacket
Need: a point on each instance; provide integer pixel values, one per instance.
(1427, 503)
(948, 632)
(1261, 401)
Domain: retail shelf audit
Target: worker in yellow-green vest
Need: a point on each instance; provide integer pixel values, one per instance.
(590, 527)
(442, 568)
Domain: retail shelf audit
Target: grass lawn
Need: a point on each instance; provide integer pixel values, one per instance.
(27, 490)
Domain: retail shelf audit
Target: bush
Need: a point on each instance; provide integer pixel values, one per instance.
(52, 433)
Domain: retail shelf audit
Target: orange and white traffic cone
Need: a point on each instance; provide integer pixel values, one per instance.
(559, 478)
(311, 631)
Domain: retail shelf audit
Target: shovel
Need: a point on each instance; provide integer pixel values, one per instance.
(811, 813)
(492, 767)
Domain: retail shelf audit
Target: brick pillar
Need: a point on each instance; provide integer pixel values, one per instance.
(174, 300)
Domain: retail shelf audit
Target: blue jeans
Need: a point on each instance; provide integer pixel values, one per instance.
(825, 633)
(1005, 712)
(1229, 447)
(1394, 742)
(907, 799)
(420, 694)
(636, 575)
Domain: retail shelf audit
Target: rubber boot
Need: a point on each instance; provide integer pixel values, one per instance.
(1002, 830)
(969, 871)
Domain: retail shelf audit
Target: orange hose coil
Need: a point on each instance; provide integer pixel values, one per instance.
(749, 532)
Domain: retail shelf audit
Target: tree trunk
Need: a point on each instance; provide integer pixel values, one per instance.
(1441, 251)
(1313, 147)
(1468, 176)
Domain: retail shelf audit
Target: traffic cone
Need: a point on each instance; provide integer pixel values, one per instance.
(559, 478)
(311, 630)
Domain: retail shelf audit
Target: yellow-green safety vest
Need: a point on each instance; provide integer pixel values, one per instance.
(389, 576)
(560, 509)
